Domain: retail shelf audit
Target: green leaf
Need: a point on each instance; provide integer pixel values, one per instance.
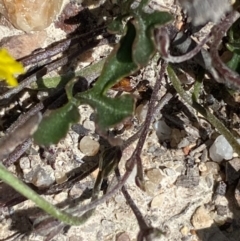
(119, 64)
(109, 111)
(116, 26)
(55, 124)
(233, 33)
(144, 45)
(234, 63)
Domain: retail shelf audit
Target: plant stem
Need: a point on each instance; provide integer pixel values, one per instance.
(26, 191)
(203, 111)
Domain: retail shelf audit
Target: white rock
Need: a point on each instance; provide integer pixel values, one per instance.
(154, 175)
(201, 218)
(157, 201)
(88, 146)
(150, 188)
(221, 149)
(89, 125)
(163, 131)
(141, 112)
(60, 177)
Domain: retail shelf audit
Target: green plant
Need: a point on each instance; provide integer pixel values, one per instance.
(143, 35)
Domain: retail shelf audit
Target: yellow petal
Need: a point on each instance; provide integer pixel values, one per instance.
(9, 67)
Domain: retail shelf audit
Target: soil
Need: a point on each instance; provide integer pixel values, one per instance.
(186, 195)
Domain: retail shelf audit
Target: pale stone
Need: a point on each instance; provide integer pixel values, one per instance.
(154, 175)
(60, 197)
(201, 218)
(123, 237)
(150, 188)
(202, 167)
(141, 112)
(31, 15)
(163, 131)
(60, 177)
(212, 167)
(88, 146)
(89, 125)
(221, 149)
(24, 163)
(157, 201)
(22, 45)
(41, 177)
(184, 230)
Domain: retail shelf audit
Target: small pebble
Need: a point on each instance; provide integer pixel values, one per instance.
(141, 112)
(184, 230)
(61, 197)
(75, 191)
(169, 171)
(221, 149)
(201, 218)
(150, 188)
(24, 163)
(60, 177)
(89, 125)
(237, 194)
(212, 167)
(154, 175)
(157, 201)
(75, 238)
(41, 177)
(88, 146)
(107, 226)
(163, 131)
(202, 167)
(183, 143)
(233, 170)
(122, 237)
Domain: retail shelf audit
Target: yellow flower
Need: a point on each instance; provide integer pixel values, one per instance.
(9, 67)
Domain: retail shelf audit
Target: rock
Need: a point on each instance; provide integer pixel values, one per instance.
(61, 197)
(60, 177)
(88, 146)
(221, 210)
(212, 168)
(157, 201)
(89, 125)
(190, 180)
(202, 167)
(75, 238)
(108, 226)
(163, 131)
(202, 11)
(176, 137)
(76, 191)
(221, 189)
(150, 188)
(24, 163)
(184, 143)
(220, 149)
(23, 45)
(154, 175)
(41, 177)
(68, 20)
(184, 230)
(237, 194)
(141, 112)
(201, 218)
(30, 15)
(122, 237)
(233, 170)
(119, 199)
(169, 171)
